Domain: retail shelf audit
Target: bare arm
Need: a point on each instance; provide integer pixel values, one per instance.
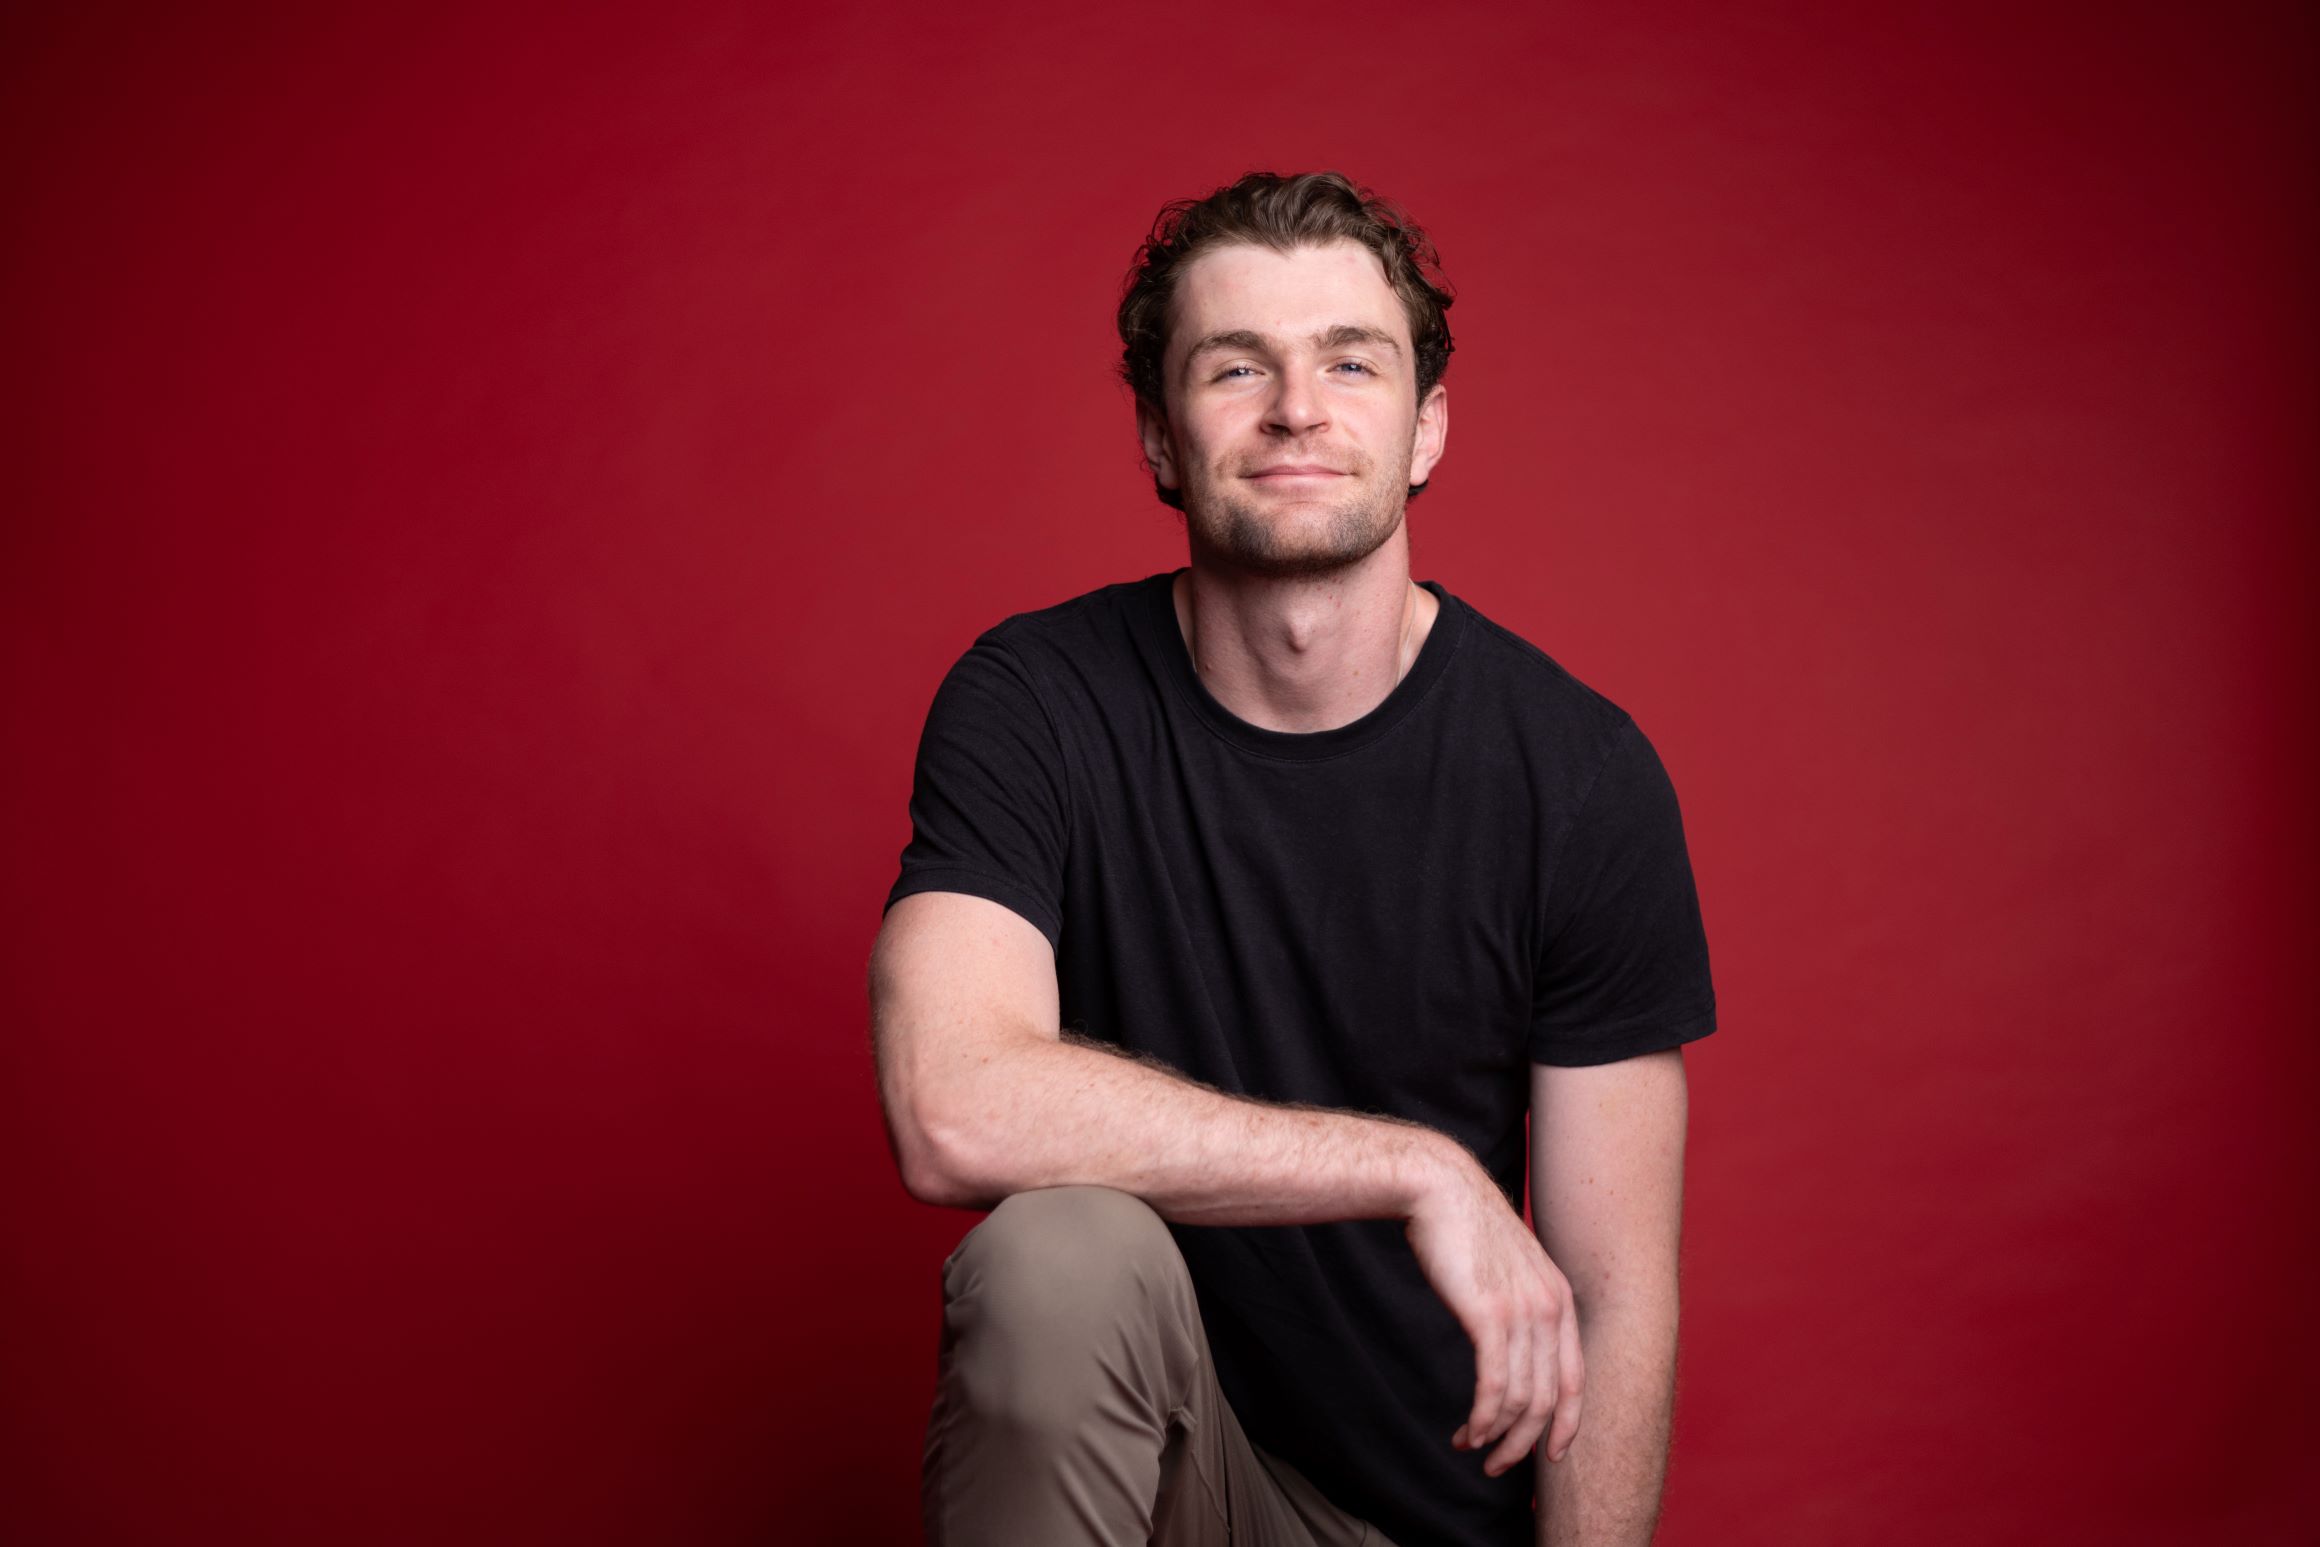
(985, 1096)
(1607, 1153)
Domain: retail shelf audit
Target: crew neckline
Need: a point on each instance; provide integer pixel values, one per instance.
(1159, 617)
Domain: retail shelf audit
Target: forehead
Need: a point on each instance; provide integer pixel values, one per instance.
(1286, 294)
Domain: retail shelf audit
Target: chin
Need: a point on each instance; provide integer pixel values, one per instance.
(1268, 541)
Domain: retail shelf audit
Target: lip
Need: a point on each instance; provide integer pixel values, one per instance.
(1297, 472)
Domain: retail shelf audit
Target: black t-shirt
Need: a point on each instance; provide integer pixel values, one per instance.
(1398, 915)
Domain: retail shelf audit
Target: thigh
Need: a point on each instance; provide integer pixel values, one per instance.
(1077, 1398)
(1218, 1488)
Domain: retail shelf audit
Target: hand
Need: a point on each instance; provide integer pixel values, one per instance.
(1514, 1303)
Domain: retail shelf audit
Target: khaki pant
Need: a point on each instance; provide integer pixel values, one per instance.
(1076, 1403)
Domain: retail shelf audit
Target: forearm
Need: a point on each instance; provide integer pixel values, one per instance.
(1046, 1113)
(1606, 1491)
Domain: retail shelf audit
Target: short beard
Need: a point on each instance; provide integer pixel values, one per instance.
(1243, 539)
(1237, 534)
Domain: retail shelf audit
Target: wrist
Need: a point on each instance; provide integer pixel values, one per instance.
(1434, 1167)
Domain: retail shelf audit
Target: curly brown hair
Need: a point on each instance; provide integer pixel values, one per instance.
(1283, 212)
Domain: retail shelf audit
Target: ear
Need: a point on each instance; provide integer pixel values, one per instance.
(1159, 445)
(1433, 433)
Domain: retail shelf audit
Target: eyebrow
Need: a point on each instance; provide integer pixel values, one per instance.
(1328, 338)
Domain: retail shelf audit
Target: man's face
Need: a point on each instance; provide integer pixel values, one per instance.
(1293, 431)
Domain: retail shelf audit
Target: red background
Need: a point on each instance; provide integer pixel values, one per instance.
(490, 494)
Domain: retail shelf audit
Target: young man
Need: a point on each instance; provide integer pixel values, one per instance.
(1248, 910)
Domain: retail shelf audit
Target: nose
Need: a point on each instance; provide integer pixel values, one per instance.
(1296, 407)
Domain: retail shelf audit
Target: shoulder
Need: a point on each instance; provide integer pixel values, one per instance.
(1045, 636)
(1539, 698)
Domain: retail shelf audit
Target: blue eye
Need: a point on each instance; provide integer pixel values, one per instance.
(1357, 365)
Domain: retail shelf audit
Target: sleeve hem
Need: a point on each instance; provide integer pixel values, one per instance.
(1633, 1042)
(976, 883)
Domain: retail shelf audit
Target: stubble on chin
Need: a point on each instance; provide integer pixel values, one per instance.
(1259, 539)
(1260, 543)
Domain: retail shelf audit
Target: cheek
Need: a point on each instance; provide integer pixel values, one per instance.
(1209, 439)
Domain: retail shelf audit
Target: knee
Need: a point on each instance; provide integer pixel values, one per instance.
(1058, 1252)
(1063, 1300)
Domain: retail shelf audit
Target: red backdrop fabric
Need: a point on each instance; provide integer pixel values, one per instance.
(491, 490)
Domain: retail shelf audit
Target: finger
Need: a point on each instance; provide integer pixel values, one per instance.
(1572, 1395)
(1489, 1378)
(1521, 1383)
(1539, 1411)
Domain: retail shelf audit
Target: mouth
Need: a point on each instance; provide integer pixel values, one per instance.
(1270, 474)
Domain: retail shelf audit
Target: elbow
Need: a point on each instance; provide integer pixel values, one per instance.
(918, 1136)
(930, 1154)
(927, 1181)
(954, 1144)
(925, 1185)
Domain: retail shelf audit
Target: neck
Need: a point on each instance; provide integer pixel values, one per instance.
(1305, 652)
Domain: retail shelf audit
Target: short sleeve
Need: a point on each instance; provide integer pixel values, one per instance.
(1624, 969)
(989, 809)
